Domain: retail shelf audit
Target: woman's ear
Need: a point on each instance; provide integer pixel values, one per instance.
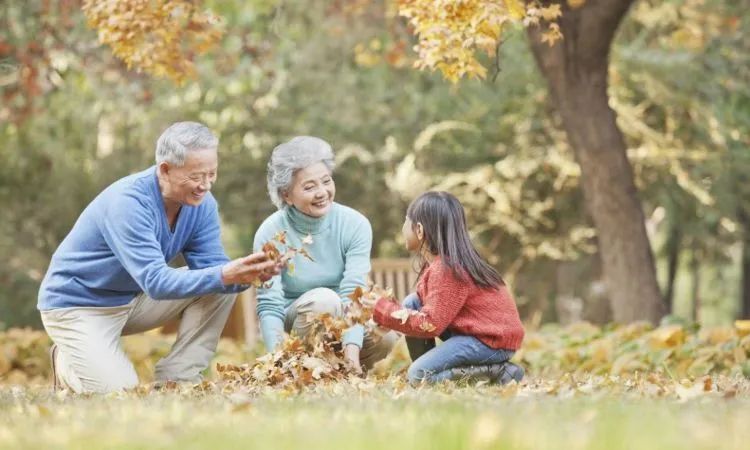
(286, 197)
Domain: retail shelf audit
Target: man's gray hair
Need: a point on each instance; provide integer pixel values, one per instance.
(287, 158)
(183, 137)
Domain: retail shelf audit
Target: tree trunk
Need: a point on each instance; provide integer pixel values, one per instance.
(576, 71)
(745, 274)
(695, 274)
(673, 263)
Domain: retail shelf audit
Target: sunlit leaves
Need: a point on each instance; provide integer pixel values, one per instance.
(271, 249)
(159, 37)
(670, 350)
(452, 32)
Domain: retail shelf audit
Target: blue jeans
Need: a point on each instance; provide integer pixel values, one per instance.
(435, 363)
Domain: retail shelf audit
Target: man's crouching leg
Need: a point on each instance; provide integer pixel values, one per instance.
(89, 357)
(202, 322)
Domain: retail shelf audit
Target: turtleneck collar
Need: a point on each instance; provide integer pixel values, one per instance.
(305, 224)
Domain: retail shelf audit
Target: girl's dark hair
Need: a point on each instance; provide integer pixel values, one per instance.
(445, 234)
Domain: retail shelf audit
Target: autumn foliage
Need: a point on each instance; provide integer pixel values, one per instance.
(158, 37)
(451, 33)
(555, 357)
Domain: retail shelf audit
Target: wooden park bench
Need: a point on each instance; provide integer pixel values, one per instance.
(397, 274)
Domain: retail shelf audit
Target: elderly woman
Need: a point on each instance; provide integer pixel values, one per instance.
(300, 184)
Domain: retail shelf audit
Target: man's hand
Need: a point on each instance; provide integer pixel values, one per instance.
(247, 269)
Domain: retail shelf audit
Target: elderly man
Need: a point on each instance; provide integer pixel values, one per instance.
(110, 277)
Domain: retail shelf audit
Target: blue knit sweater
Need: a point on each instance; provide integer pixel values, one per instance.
(122, 242)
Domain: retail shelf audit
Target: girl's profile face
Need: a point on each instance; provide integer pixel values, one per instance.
(412, 235)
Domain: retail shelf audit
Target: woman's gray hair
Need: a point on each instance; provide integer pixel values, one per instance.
(287, 158)
(183, 137)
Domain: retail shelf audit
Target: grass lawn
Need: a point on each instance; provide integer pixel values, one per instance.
(607, 414)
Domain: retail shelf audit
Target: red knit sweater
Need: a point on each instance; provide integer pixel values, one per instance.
(460, 306)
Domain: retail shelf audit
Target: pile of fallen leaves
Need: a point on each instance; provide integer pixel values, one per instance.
(317, 357)
(579, 353)
(677, 350)
(298, 363)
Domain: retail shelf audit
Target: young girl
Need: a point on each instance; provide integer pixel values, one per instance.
(459, 298)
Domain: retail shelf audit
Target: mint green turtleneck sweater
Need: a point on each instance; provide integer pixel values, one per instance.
(342, 240)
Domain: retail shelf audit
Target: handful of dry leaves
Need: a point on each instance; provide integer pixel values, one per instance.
(273, 253)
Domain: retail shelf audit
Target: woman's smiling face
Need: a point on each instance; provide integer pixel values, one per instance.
(312, 190)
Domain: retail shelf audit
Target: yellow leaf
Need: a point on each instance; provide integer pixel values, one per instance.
(551, 12)
(575, 4)
(667, 336)
(427, 327)
(401, 314)
(717, 335)
(742, 327)
(515, 8)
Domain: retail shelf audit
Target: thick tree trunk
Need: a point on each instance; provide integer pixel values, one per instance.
(673, 263)
(745, 274)
(576, 71)
(746, 277)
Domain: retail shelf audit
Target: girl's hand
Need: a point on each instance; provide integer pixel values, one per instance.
(368, 301)
(378, 330)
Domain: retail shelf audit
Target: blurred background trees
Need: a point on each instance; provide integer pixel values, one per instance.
(74, 118)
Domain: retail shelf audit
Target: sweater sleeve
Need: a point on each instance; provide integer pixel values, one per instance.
(204, 248)
(271, 301)
(127, 228)
(356, 259)
(443, 297)
(356, 269)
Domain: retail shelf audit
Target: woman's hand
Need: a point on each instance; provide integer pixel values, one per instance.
(351, 354)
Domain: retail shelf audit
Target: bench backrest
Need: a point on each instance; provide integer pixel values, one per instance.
(395, 273)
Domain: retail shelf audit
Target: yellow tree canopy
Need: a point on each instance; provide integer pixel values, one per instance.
(159, 37)
(451, 33)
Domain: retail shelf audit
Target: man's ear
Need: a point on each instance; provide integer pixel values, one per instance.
(164, 168)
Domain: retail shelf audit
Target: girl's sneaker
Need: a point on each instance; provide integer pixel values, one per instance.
(510, 372)
(501, 373)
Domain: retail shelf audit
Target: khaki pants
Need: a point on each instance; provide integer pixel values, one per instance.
(90, 357)
(323, 300)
